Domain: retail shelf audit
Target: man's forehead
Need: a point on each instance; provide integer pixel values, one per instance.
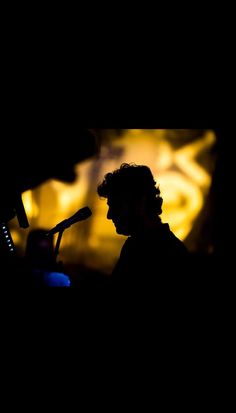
(117, 200)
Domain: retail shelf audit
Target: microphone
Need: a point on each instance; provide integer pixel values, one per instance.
(80, 215)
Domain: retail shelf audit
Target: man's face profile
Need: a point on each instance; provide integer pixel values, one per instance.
(122, 214)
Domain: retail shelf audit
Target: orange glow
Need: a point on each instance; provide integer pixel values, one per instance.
(31, 208)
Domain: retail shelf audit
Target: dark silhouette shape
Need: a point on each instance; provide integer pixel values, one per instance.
(30, 165)
(59, 145)
(41, 261)
(135, 205)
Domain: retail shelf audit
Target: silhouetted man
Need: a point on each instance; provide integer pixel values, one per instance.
(151, 251)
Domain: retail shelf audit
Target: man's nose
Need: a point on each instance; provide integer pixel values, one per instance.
(109, 213)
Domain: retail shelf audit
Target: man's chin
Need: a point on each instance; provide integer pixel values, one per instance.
(122, 231)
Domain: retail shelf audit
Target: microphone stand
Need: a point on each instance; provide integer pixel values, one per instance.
(80, 215)
(59, 264)
(56, 252)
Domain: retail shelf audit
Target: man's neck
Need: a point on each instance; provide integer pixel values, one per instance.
(147, 226)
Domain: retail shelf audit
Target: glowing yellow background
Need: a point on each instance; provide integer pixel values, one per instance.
(175, 161)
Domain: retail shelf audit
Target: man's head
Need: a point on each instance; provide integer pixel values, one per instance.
(132, 197)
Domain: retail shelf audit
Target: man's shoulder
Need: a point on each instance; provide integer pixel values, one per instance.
(170, 241)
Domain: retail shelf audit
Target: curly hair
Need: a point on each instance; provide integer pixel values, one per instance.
(132, 181)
